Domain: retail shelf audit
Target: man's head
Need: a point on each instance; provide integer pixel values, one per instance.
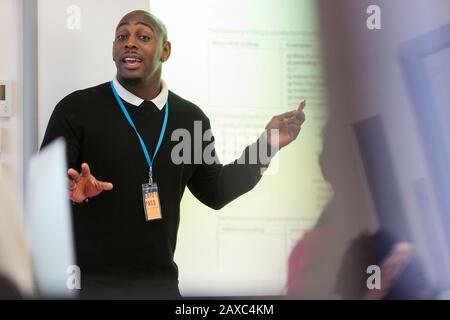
(140, 47)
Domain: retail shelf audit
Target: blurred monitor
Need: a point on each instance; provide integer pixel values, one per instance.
(49, 222)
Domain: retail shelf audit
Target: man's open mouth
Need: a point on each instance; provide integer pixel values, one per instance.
(132, 63)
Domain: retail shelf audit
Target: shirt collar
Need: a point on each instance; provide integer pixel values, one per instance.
(159, 101)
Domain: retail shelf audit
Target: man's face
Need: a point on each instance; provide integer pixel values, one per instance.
(138, 49)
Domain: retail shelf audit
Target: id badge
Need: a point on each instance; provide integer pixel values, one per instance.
(152, 205)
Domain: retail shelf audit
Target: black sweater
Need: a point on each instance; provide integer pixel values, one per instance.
(112, 237)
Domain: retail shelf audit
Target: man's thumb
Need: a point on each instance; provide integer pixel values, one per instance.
(106, 186)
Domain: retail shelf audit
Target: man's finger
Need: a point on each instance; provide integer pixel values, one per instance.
(104, 186)
(292, 126)
(298, 117)
(302, 105)
(107, 186)
(293, 130)
(299, 114)
(85, 170)
(71, 184)
(293, 113)
(74, 175)
(286, 115)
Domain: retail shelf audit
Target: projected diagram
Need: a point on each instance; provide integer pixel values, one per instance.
(275, 72)
(243, 77)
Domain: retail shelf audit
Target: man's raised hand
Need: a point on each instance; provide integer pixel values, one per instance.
(288, 125)
(84, 185)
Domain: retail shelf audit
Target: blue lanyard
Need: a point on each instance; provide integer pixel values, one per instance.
(144, 148)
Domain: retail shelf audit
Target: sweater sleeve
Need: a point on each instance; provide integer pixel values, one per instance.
(62, 124)
(216, 185)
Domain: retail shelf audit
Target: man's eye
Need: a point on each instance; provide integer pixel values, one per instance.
(144, 38)
(121, 37)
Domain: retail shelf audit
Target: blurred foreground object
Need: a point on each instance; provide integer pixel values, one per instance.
(49, 223)
(402, 274)
(16, 278)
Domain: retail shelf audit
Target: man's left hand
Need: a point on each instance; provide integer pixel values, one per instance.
(288, 125)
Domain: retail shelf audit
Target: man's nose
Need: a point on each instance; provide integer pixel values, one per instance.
(131, 43)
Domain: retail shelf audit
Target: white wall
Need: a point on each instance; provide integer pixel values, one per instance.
(10, 69)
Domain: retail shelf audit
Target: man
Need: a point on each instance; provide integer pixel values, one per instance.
(121, 131)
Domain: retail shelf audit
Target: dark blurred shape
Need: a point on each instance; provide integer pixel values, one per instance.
(15, 261)
(379, 169)
(8, 291)
(409, 282)
(315, 260)
(311, 267)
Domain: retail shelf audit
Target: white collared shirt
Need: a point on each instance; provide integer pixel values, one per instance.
(159, 101)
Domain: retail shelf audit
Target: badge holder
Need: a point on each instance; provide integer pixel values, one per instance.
(150, 196)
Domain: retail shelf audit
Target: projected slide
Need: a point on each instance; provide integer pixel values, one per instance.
(243, 62)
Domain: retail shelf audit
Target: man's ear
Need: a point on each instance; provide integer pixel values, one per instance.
(112, 52)
(167, 48)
